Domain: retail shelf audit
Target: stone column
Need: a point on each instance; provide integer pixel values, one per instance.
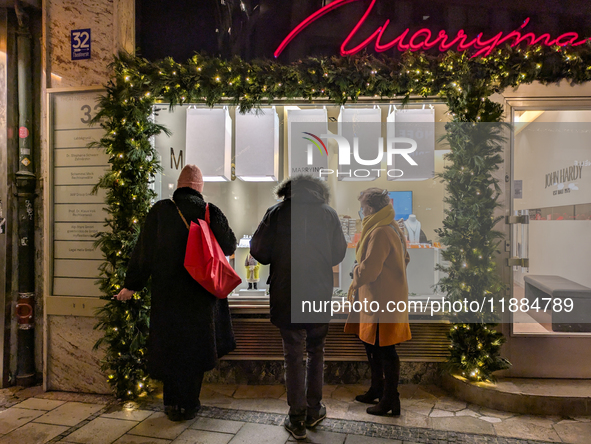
(69, 362)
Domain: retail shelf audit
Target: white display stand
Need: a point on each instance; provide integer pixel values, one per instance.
(253, 293)
(420, 272)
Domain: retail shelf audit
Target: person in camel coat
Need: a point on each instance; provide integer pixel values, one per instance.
(380, 276)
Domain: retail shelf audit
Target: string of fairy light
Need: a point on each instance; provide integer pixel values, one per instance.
(464, 83)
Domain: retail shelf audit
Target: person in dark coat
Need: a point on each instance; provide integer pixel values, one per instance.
(302, 239)
(189, 327)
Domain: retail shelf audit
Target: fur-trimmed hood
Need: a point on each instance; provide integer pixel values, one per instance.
(303, 188)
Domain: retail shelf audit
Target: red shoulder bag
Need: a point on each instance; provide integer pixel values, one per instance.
(205, 261)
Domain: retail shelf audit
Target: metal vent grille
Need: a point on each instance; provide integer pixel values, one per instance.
(258, 339)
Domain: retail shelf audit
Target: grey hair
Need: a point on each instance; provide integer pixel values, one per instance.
(376, 198)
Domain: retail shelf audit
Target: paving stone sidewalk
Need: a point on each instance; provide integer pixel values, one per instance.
(254, 414)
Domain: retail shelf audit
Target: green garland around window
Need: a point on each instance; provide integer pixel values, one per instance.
(466, 85)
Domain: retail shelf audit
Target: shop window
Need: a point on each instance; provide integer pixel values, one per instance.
(552, 187)
(418, 202)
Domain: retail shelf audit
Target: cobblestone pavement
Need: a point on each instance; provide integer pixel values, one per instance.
(240, 414)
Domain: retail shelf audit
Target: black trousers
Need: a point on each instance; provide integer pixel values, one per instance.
(384, 361)
(183, 390)
(304, 385)
(387, 353)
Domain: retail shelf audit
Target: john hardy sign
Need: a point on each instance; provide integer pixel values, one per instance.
(560, 177)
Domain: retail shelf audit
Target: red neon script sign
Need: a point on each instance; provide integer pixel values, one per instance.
(423, 39)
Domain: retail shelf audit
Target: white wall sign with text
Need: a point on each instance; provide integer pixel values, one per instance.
(78, 214)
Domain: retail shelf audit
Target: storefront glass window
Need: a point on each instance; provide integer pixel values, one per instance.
(552, 195)
(418, 202)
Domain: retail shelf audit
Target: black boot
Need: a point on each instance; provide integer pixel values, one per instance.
(173, 412)
(391, 399)
(191, 404)
(190, 412)
(250, 285)
(377, 377)
(255, 286)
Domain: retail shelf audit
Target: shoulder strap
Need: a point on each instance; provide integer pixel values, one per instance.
(181, 214)
(185, 220)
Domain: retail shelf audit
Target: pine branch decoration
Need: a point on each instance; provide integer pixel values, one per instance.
(464, 83)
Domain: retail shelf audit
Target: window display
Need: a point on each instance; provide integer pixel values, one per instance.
(413, 228)
(252, 272)
(418, 203)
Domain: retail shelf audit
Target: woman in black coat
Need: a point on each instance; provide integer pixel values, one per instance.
(189, 327)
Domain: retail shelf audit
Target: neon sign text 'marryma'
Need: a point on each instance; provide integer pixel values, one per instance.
(423, 39)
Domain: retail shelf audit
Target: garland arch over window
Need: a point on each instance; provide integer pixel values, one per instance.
(465, 84)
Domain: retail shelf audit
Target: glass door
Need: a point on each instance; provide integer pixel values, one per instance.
(551, 222)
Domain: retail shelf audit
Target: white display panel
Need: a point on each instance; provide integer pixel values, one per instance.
(76, 138)
(78, 176)
(302, 125)
(170, 149)
(419, 125)
(257, 146)
(363, 124)
(75, 287)
(209, 142)
(553, 160)
(74, 110)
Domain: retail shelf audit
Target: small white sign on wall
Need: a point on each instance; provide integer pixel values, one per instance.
(518, 189)
(79, 213)
(78, 176)
(77, 231)
(67, 194)
(76, 250)
(80, 157)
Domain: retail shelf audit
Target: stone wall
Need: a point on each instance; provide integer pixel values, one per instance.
(271, 372)
(70, 363)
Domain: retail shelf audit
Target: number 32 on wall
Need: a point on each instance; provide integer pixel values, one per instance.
(80, 44)
(86, 109)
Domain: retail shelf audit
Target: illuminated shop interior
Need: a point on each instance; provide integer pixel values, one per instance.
(259, 147)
